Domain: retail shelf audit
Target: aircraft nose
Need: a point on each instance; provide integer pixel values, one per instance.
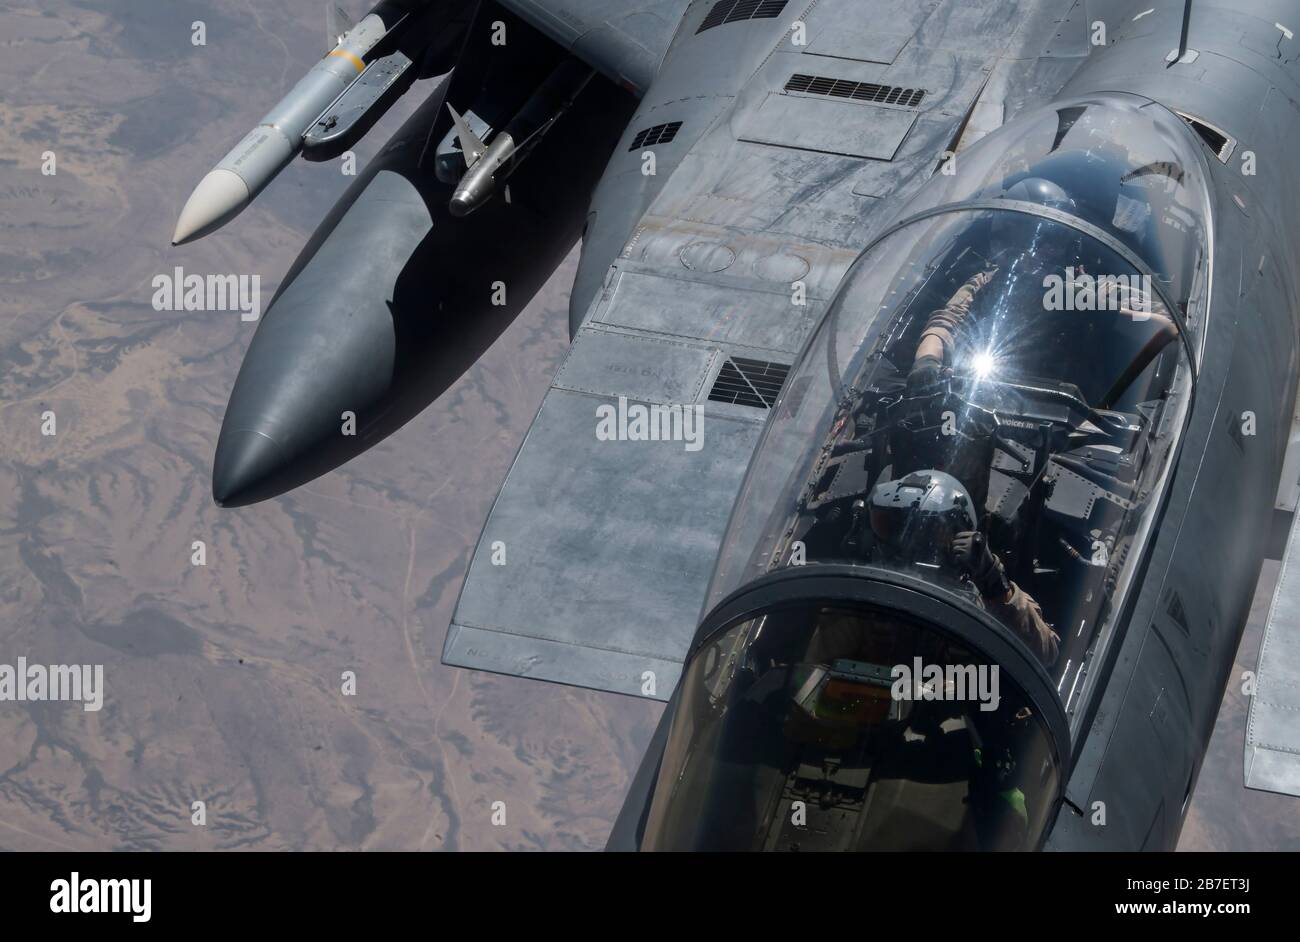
(245, 467)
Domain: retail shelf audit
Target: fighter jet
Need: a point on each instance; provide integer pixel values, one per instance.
(930, 400)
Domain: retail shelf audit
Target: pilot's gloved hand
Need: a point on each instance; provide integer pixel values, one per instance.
(971, 551)
(926, 372)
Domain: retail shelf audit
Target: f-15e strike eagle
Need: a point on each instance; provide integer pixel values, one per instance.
(931, 394)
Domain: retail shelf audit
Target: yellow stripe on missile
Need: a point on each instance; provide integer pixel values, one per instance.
(344, 54)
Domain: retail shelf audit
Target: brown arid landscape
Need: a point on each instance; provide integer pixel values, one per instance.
(223, 681)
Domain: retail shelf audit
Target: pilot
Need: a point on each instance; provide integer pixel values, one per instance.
(1031, 239)
(928, 519)
(1025, 247)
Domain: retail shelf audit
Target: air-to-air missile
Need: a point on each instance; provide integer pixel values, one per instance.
(490, 165)
(397, 294)
(279, 136)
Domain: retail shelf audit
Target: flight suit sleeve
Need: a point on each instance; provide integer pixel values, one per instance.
(1136, 303)
(945, 323)
(1025, 617)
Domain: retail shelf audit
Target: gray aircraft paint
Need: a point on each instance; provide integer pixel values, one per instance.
(713, 183)
(610, 546)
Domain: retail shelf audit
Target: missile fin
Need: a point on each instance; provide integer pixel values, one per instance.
(470, 144)
(337, 23)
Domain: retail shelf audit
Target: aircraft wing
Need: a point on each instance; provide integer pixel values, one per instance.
(595, 560)
(622, 39)
(1272, 761)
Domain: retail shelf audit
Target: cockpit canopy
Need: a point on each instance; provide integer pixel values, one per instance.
(1027, 335)
(985, 421)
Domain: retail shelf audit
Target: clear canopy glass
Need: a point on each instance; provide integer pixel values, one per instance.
(995, 397)
(799, 730)
(1124, 164)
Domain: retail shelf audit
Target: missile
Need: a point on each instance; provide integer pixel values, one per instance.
(278, 137)
(479, 182)
(489, 165)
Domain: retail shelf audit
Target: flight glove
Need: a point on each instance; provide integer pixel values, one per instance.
(925, 373)
(971, 551)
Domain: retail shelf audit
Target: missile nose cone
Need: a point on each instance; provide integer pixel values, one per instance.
(244, 468)
(461, 204)
(217, 199)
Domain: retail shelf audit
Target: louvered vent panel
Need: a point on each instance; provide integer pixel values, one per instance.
(856, 91)
(746, 382)
(734, 11)
(659, 134)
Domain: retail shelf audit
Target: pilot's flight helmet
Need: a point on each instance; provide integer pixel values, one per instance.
(1041, 243)
(1043, 192)
(914, 518)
